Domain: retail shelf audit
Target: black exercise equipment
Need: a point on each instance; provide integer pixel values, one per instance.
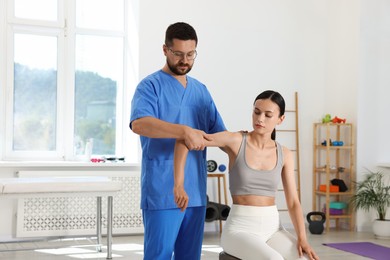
(316, 224)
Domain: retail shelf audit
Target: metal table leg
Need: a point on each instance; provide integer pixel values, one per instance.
(99, 224)
(109, 227)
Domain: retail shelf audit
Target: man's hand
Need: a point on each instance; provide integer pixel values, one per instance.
(195, 139)
(181, 197)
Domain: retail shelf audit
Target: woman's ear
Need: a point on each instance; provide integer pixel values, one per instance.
(281, 119)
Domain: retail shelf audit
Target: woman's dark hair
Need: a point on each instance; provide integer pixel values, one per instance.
(181, 31)
(277, 99)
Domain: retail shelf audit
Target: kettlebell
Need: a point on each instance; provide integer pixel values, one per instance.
(316, 226)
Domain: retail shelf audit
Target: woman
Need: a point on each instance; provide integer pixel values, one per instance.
(257, 163)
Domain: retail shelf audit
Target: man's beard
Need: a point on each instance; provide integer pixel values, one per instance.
(177, 71)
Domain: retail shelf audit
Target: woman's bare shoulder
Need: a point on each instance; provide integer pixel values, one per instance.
(288, 156)
(286, 151)
(234, 140)
(235, 136)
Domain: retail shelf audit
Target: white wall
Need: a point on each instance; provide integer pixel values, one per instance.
(373, 126)
(245, 49)
(313, 47)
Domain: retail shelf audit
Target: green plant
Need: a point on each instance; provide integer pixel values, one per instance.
(372, 193)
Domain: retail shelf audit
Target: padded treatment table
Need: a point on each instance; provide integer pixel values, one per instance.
(64, 187)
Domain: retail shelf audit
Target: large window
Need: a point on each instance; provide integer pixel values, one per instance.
(68, 79)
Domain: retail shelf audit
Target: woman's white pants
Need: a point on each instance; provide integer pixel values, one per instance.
(253, 233)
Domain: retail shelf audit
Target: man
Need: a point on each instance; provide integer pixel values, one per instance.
(166, 106)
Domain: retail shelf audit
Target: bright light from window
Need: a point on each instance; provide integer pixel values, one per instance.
(102, 55)
(35, 93)
(65, 251)
(36, 52)
(99, 73)
(36, 9)
(105, 14)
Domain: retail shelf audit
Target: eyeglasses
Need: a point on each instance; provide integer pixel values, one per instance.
(180, 55)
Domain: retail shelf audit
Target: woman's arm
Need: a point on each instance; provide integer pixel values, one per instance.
(294, 205)
(179, 158)
(228, 141)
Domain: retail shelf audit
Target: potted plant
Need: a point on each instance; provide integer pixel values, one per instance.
(374, 193)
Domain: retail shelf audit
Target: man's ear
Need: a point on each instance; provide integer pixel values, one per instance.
(165, 49)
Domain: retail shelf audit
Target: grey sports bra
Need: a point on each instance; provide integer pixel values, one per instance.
(244, 180)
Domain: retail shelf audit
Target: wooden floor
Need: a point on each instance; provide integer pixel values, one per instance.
(131, 247)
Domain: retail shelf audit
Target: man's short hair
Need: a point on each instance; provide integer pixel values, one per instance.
(181, 31)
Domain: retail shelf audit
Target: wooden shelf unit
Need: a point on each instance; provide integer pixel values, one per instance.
(333, 162)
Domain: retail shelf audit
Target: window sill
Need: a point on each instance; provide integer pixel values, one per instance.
(65, 164)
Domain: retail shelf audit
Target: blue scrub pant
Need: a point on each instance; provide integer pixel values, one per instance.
(173, 231)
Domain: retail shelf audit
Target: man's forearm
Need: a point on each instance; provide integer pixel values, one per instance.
(156, 128)
(180, 156)
(152, 127)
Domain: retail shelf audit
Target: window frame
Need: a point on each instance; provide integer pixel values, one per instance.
(127, 143)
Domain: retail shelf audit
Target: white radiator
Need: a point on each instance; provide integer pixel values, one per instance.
(63, 216)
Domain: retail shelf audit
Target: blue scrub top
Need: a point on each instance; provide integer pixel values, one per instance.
(162, 96)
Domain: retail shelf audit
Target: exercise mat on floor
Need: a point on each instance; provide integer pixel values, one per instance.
(366, 249)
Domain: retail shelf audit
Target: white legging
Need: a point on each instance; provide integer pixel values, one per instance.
(252, 232)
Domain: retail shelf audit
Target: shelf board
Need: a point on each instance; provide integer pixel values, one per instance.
(345, 193)
(333, 124)
(339, 216)
(333, 147)
(334, 171)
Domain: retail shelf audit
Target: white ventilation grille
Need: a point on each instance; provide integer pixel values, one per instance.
(63, 216)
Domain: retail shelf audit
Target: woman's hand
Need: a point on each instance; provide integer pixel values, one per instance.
(181, 197)
(304, 247)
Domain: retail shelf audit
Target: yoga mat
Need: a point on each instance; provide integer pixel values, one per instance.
(366, 249)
